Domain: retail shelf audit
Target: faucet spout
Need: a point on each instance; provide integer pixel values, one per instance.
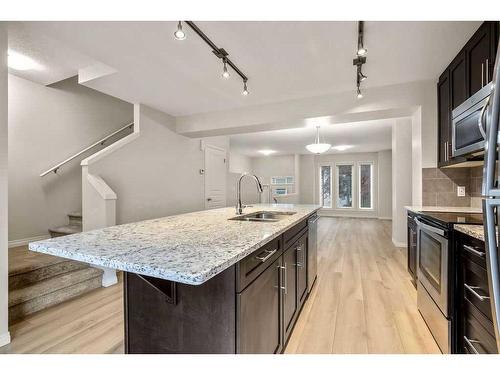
(239, 205)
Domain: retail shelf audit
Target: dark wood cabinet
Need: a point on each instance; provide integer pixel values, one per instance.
(469, 71)
(412, 247)
(290, 301)
(476, 333)
(258, 314)
(444, 118)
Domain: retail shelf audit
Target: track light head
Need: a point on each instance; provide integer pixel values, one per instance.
(245, 89)
(362, 77)
(360, 95)
(361, 51)
(179, 33)
(225, 72)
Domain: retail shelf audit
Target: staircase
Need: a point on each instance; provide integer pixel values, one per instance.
(38, 281)
(74, 226)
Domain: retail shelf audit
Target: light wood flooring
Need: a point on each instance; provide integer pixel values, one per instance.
(363, 302)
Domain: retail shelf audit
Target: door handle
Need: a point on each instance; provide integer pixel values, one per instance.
(269, 255)
(480, 120)
(429, 228)
(472, 289)
(470, 344)
(209, 199)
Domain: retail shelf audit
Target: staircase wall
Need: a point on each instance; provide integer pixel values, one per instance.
(47, 124)
(158, 174)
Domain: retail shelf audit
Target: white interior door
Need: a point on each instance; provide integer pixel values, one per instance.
(215, 177)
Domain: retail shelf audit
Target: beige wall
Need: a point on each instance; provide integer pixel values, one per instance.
(4, 328)
(47, 125)
(385, 184)
(158, 174)
(308, 178)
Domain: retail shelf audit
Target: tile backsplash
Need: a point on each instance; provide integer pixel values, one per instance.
(439, 186)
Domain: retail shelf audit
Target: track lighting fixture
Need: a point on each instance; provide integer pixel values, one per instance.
(179, 33)
(225, 72)
(221, 53)
(245, 89)
(361, 49)
(360, 60)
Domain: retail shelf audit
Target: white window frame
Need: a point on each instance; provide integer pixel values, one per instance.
(371, 164)
(353, 186)
(332, 196)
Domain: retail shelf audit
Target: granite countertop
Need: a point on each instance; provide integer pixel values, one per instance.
(476, 231)
(189, 248)
(469, 210)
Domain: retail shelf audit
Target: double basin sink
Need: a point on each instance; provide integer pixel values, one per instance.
(263, 216)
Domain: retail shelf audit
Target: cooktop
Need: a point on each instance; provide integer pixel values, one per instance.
(448, 218)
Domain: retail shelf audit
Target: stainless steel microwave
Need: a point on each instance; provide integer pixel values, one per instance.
(468, 132)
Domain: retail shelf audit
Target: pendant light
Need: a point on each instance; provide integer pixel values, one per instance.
(317, 147)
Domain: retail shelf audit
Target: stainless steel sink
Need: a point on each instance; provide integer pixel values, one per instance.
(263, 216)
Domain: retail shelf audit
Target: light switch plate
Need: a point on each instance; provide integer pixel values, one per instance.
(461, 191)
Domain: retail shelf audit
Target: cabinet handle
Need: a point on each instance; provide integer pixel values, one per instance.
(299, 260)
(285, 286)
(471, 250)
(482, 75)
(269, 255)
(472, 289)
(470, 343)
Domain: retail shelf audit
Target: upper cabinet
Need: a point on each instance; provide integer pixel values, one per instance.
(469, 71)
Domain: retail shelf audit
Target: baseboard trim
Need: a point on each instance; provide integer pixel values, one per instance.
(384, 218)
(5, 338)
(398, 244)
(25, 241)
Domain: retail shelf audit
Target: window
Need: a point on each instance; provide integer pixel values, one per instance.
(344, 185)
(278, 180)
(365, 185)
(325, 178)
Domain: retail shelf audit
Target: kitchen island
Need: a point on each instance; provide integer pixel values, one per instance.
(201, 282)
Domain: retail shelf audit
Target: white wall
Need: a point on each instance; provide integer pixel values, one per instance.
(239, 163)
(332, 159)
(4, 276)
(401, 178)
(47, 125)
(266, 167)
(385, 184)
(158, 174)
(308, 179)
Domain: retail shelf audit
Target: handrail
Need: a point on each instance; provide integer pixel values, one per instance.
(100, 142)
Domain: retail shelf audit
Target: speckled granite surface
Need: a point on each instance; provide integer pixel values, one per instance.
(476, 231)
(189, 248)
(470, 210)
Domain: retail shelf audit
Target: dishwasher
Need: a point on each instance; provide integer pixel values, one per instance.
(312, 251)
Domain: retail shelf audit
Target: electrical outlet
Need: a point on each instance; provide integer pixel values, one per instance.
(460, 191)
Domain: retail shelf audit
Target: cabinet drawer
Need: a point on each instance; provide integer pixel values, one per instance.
(476, 286)
(476, 337)
(293, 234)
(256, 263)
(473, 249)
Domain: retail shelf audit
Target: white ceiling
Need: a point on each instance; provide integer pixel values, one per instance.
(283, 60)
(367, 136)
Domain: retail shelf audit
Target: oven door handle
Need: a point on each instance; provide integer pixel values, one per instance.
(429, 228)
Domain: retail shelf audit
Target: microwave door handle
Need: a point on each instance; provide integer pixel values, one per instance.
(492, 261)
(429, 228)
(480, 121)
(490, 156)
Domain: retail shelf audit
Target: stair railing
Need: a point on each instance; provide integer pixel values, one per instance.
(101, 142)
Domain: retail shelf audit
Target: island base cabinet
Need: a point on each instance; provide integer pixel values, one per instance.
(200, 320)
(258, 314)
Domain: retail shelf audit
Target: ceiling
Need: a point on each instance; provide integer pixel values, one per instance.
(283, 60)
(367, 136)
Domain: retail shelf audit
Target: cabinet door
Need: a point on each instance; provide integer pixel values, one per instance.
(444, 117)
(458, 81)
(478, 58)
(289, 277)
(259, 330)
(302, 270)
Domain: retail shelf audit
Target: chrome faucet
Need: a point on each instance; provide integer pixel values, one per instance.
(239, 206)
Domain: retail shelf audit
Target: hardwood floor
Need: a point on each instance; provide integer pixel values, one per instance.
(363, 302)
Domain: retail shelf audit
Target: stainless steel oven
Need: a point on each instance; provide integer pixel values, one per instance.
(433, 279)
(468, 124)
